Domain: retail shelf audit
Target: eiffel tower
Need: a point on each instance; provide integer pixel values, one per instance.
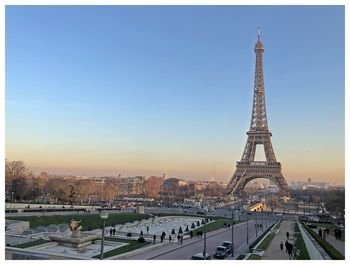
(248, 169)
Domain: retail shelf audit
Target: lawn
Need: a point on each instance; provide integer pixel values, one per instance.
(300, 244)
(133, 244)
(89, 221)
(216, 224)
(266, 242)
(31, 244)
(192, 215)
(254, 257)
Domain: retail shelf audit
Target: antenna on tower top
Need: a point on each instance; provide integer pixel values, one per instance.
(259, 32)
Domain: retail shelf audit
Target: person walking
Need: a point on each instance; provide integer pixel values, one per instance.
(191, 233)
(324, 234)
(147, 230)
(169, 238)
(287, 234)
(182, 238)
(290, 250)
(110, 231)
(154, 239)
(320, 232)
(286, 245)
(281, 245)
(339, 233)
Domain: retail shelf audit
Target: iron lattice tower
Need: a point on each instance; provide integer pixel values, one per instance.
(248, 169)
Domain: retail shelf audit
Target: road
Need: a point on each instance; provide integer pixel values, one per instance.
(175, 251)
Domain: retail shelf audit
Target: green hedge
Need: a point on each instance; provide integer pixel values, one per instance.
(331, 251)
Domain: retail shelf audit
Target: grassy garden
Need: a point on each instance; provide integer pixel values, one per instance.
(31, 243)
(132, 245)
(215, 225)
(300, 244)
(89, 221)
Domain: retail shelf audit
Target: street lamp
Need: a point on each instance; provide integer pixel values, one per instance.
(233, 223)
(247, 228)
(205, 210)
(11, 201)
(103, 216)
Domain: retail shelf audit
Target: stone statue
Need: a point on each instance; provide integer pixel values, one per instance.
(75, 227)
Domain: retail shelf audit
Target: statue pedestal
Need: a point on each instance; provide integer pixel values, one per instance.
(76, 234)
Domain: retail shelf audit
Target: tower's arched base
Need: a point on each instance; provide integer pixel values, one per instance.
(246, 172)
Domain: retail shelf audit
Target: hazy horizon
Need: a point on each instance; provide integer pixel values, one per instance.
(137, 90)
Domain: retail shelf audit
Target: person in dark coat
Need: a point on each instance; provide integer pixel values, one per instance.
(191, 233)
(169, 238)
(154, 239)
(286, 245)
(290, 250)
(110, 231)
(281, 245)
(287, 234)
(320, 232)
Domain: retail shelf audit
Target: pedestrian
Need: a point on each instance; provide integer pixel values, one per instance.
(147, 230)
(281, 245)
(286, 245)
(169, 238)
(290, 250)
(287, 234)
(141, 233)
(110, 231)
(114, 231)
(161, 238)
(191, 233)
(182, 238)
(339, 234)
(154, 239)
(178, 238)
(320, 232)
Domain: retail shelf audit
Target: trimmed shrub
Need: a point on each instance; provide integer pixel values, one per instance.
(180, 230)
(198, 223)
(173, 231)
(186, 229)
(193, 226)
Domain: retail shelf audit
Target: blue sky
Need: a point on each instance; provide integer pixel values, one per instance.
(102, 90)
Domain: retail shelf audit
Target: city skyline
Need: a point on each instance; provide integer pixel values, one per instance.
(141, 90)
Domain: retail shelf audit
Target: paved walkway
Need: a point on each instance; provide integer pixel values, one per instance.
(273, 252)
(337, 244)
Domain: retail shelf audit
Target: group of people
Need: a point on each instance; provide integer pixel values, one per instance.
(323, 233)
(112, 231)
(257, 226)
(338, 233)
(289, 246)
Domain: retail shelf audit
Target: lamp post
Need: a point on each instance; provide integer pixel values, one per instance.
(11, 201)
(247, 228)
(233, 223)
(205, 210)
(103, 216)
(256, 224)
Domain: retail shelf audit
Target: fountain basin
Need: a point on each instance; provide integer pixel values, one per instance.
(75, 242)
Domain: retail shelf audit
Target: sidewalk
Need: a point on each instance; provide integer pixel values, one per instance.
(273, 252)
(337, 244)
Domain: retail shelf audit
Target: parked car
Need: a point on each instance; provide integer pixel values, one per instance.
(228, 246)
(201, 256)
(220, 252)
